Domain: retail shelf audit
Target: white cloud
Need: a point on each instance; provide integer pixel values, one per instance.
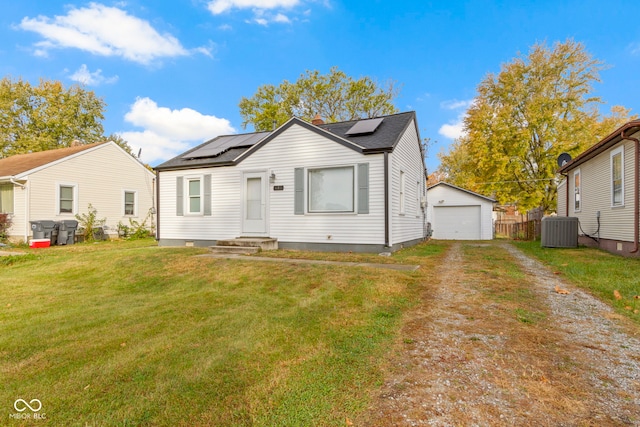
(103, 30)
(455, 128)
(454, 104)
(86, 77)
(168, 132)
(220, 6)
(281, 18)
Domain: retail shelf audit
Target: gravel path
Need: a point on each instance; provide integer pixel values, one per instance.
(465, 362)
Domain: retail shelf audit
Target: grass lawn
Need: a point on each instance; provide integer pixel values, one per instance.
(126, 333)
(597, 271)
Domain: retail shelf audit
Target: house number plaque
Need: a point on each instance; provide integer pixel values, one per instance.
(278, 187)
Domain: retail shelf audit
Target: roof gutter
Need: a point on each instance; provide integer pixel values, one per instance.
(636, 189)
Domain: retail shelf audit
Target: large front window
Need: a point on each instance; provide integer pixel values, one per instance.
(617, 178)
(331, 189)
(6, 198)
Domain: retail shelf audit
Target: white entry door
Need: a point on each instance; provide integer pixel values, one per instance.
(254, 221)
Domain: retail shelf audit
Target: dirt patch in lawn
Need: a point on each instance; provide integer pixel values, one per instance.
(496, 342)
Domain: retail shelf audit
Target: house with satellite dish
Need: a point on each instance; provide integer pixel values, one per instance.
(601, 189)
(351, 186)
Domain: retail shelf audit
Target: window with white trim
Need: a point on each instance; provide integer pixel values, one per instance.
(130, 203)
(331, 189)
(6, 198)
(617, 177)
(194, 195)
(577, 191)
(66, 199)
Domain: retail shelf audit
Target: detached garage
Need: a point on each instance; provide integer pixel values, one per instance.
(459, 214)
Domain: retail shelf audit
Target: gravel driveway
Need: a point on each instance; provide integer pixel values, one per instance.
(465, 360)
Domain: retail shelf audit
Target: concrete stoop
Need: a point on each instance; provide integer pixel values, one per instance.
(245, 245)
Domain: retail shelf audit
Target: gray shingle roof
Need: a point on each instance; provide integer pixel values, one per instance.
(383, 139)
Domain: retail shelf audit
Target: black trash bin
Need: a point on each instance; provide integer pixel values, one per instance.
(45, 229)
(67, 232)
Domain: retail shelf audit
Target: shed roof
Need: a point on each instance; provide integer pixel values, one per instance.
(20, 163)
(384, 138)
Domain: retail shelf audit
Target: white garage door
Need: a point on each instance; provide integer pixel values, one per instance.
(456, 222)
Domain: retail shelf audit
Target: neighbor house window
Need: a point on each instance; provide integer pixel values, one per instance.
(577, 191)
(194, 188)
(402, 193)
(6, 198)
(66, 199)
(617, 177)
(130, 203)
(331, 189)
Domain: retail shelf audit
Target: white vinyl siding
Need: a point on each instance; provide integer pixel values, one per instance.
(617, 177)
(406, 157)
(402, 192)
(616, 222)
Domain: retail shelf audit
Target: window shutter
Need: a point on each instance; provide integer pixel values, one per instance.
(179, 196)
(207, 196)
(298, 204)
(363, 188)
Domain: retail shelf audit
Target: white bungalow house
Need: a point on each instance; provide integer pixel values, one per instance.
(459, 214)
(349, 186)
(601, 189)
(58, 184)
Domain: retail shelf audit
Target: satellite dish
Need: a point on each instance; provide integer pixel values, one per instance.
(563, 159)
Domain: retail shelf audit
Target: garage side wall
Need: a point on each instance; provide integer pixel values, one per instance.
(459, 206)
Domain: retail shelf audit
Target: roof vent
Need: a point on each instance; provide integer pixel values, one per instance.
(364, 127)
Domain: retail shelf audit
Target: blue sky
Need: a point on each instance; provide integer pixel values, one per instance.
(172, 73)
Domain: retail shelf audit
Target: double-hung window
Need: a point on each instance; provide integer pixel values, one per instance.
(129, 203)
(66, 198)
(331, 189)
(194, 189)
(577, 191)
(617, 177)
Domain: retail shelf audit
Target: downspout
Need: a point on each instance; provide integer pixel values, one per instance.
(26, 207)
(386, 200)
(636, 188)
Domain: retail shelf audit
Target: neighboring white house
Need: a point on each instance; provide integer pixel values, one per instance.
(459, 214)
(602, 192)
(58, 184)
(349, 186)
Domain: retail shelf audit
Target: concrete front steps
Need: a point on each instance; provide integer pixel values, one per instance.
(244, 245)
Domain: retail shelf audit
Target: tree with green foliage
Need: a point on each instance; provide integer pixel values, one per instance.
(47, 116)
(334, 96)
(523, 118)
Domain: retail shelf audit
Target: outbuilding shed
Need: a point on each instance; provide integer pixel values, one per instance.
(459, 214)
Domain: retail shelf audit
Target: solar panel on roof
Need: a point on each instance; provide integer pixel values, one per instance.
(363, 127)
(223, 143)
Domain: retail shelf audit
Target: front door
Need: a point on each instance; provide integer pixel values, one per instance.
(254, 221)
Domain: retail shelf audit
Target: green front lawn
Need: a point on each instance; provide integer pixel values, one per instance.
(126, 333)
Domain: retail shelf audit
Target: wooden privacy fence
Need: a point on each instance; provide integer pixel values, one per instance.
(529, 229)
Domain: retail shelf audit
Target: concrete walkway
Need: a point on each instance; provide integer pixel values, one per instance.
(398, 267)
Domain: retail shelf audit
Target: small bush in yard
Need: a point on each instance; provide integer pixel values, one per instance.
(135, 229)
(5, 223)
(90, 223)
